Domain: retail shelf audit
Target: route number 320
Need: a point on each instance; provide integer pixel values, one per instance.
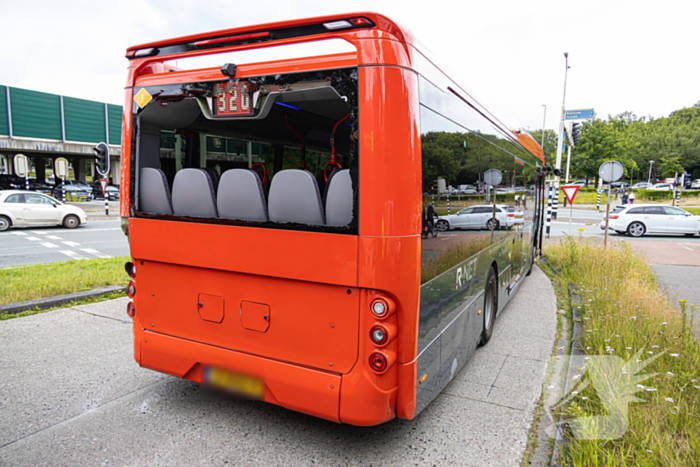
(232, 99)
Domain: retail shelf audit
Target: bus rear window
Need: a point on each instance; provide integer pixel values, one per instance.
(275, 151)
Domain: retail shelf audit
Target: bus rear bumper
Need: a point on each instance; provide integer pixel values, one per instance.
(305, 390)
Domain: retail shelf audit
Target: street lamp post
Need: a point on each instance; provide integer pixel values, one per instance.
(560, 140)
(651, 164)
(544, 122)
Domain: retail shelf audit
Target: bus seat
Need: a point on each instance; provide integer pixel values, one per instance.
(294, 197)
(339, 198)
(193, 194)
(214, 176)
(241, 196)
(154, 192)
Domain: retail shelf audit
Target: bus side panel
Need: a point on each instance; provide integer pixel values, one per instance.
(390, 172)
(125, 175)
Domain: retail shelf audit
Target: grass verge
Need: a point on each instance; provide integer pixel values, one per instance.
(42, 281)
(695, 211)
(626, 315)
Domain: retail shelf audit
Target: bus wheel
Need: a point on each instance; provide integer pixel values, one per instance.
(532, 260)
(490, 306)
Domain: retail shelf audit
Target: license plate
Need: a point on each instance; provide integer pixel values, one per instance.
(241, 385)
(232, 99)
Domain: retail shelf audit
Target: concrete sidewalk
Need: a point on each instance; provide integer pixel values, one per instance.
(72, 395)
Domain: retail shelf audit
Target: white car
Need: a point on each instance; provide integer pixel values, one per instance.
(26, 208)
(638, 219)
(661, 187)
(477, 217)
(695, 184)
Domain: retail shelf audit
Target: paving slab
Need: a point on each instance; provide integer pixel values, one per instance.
(105, 410)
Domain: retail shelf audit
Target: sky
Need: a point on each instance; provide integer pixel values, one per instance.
(637, 56)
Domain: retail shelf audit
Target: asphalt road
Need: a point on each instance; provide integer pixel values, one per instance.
(72, 395)
(35, 245)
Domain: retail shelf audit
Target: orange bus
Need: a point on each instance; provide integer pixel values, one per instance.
(273, 182)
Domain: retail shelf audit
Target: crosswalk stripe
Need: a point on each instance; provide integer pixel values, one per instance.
(53, 237)
(39, 233)
(95, 252)
(72, 254)
(33, 239)
(48, 245)
(73, 244)
(19, 233)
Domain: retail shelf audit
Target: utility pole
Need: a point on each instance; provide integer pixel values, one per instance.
(651, 164)
(544, 122)
(560, 140)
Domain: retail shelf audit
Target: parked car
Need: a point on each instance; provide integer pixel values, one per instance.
(467, 190)
(695, 184)
(623, 185)
(113, 192)
(11, 182)
(73, 192)
(639, 219)
(641, 186)
(577, 183)
(477, 217)
(23, 208)
(661, 187)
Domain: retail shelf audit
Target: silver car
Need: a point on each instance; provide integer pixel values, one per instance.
(639, 219)
(477, 217)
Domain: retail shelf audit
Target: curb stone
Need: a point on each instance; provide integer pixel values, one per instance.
(575, 300)
(45, 303)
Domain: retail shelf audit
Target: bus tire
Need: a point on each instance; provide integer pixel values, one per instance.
(490, 306)
(532, 261)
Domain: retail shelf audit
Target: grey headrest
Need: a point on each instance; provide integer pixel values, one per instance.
(193, 194)
(339, 198)
(154, 193)
(241, 196)
(294, 197)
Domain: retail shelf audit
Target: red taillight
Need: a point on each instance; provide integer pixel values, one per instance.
(614, 217)
(242, 37)
(131, 289)
(377, 362)
(510, 214)
(361, 22)
(379, 335)
(131, 309)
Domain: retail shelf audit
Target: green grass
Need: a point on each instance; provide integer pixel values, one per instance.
(49, 280)
(624, 313)
(695, 211)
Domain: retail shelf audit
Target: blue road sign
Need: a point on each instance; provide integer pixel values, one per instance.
(583, 114)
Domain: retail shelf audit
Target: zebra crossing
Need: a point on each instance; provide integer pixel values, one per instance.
(76, 251)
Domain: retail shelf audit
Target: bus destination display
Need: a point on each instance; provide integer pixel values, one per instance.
(232, 99)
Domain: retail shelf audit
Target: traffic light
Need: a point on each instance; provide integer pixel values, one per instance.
(575, 132)
(101, 159)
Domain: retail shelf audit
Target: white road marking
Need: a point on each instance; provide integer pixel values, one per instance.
(72, 244)
(53, 237)
(686, 247)
(40, 233)
(95, 252)
(19, 233)
(33, 239)
(87, 230)
(72, 254)
(49, 245)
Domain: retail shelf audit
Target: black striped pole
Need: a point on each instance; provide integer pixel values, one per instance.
(549, 210)
(555, 195)
(597, 201)
(448, 201)
(63, 190)
(678, 199)
(106, 203)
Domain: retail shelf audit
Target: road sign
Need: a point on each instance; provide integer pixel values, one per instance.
(583, 114)
(570, 192)
(21, 165)
(493, 177)
(611, 171)
(103, 182)
(61, 167)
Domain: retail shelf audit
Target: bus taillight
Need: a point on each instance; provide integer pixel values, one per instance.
(382, 307)
(377, 362)
(131, 309)
(379, 335)
(131, 289)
